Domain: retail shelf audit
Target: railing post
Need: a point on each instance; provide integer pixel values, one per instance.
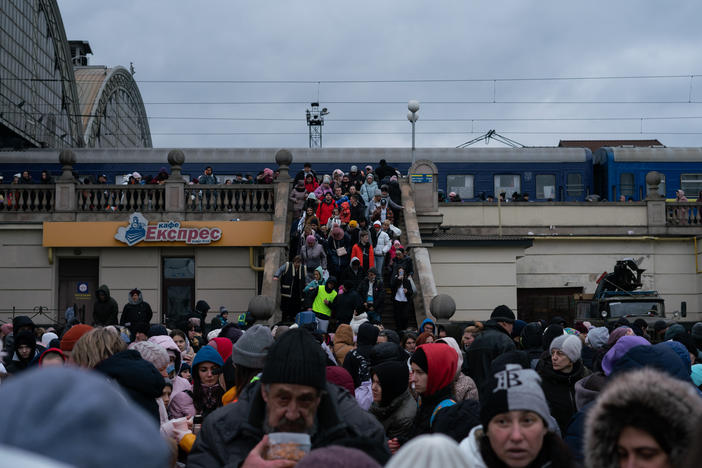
(655, 205)
(65, 185)
(424, 181)
(174, 203)
(275, 251)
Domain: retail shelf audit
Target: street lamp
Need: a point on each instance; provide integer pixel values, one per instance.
(412, 116)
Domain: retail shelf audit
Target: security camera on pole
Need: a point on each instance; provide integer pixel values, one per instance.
(412, 116)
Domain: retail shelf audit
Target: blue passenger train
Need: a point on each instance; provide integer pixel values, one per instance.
(561, 174)
(622, 171)
(552, 173)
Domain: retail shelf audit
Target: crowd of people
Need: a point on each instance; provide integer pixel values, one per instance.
(503, 393)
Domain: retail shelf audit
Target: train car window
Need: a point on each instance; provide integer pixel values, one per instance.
(461, 184)
(545, 186)
(626, 184)
(507, 183)
(691, 184)
(574, 184)
(661, 186)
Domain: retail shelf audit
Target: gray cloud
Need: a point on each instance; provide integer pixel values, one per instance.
(381, 40)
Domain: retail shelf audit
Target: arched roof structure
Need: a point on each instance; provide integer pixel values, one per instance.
(38, 96)
(112, 110)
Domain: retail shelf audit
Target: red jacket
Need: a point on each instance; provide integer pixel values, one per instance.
(357, 252)
(324, 212)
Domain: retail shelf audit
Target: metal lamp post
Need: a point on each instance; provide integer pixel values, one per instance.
(412, 116)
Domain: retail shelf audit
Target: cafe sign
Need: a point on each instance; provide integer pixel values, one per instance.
(139, 230)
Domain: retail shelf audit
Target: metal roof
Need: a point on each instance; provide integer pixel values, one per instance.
(89, 80)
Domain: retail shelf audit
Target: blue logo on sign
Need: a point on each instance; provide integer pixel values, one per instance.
(135, 232)
(82, 287)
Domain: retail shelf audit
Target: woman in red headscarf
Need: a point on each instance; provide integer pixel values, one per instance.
(433, 368)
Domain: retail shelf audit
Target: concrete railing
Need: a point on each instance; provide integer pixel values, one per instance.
(683, 214)
(27, 198)
(125, 198)
(230, 198)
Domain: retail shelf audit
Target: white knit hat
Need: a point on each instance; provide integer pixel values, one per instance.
(155, 354)
(569, 344)
(430, 451)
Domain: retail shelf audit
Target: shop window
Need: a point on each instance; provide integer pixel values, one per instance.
(461, 184)
(545, 186)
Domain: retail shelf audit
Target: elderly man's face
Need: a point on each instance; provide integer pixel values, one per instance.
(291, 407)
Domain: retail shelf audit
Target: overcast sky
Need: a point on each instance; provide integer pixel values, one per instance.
(381, 40)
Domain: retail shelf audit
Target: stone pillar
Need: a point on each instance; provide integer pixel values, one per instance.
(423, 274)
(424, 180)
(655, 205)
(65, 185)
(275, 251)
(175, 186)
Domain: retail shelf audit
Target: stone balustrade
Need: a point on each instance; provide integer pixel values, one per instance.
(683, 214)
(229, 198)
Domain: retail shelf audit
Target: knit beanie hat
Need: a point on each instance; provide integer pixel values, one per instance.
(207, 354)
(223, 346)
(431, 451)
(155, 354)
(570, 345)
(252, 348)
(619, 349)
(47, 337)
(335, 456)
(515, 389)
(673, 330)
(72, 335)
(597, 337)
(341, 377)
(551, 332)
(502, 313)
(616, 334)
(156, 329)
(56, 351)
(232, 332)
(296, 358)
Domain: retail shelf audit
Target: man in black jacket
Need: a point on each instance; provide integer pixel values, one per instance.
(292, 396)
(494, 341)
(135, 311)
(372, 293)
(346, 305)
(105, 310)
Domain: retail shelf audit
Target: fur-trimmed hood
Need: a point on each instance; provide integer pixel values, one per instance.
(664, 402)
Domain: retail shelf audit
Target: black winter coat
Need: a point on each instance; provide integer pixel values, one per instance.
(487, 346)
(378, 293)
(105, 312)
(229, 433)
(137, 377)
(345, 305)
(559, 389)
(398, 417)
(133, 313)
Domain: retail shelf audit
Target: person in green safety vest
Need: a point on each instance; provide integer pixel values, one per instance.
(323, 303)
